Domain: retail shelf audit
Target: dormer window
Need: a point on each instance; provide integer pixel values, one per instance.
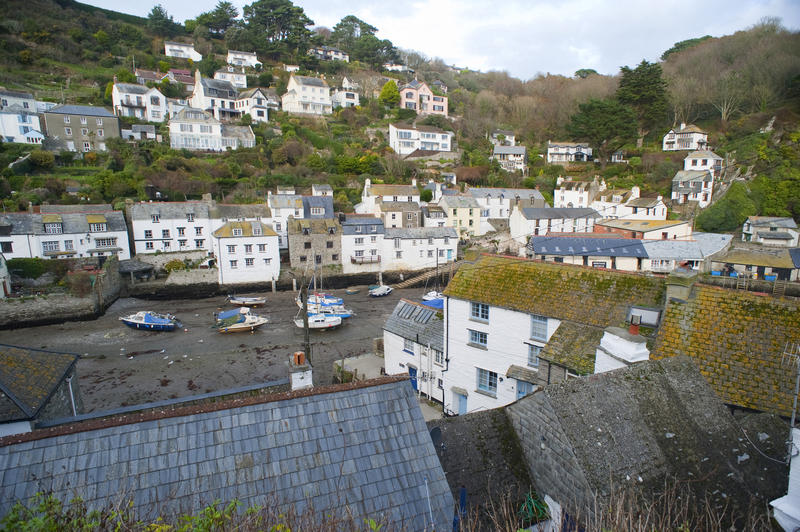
(97, 227)
(237, 231)
(54, 228)
(373, 229)
(358, 229)
(317, 211)
(156, 218)
(331, 230)
(257, 231)
(306, 231)
(190, 217)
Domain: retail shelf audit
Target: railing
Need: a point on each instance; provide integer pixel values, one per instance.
(366, 259)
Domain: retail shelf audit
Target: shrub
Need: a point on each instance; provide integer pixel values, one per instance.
(35, 268)
(43, 159)
(173, 265)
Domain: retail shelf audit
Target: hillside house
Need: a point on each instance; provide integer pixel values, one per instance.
(284, 206)
(236, 78)
(22, 100)
(183, 77)
(65, 232)
(503, 137)
(372, 194)
(247, 252)
(525, 222)
(21, 125)
(139, 101)
(463, 214)
(646, 229)
(257, 103)
(419, 248)
(568, 152)
(413, 345)
(345, 98)
(321, 189)
(771, 264)
(686, 137)
(328, 53)
(693, 185)
(195, 129)
(170, 226)
(433, 216)
(315, 242)
(405, 139)
(242, 59)
(400, 214)
(511, 158)
(149, 76)
(307, 95)
(704, 160)
(362, 243)
(182, 51)
(496, 203)
(770, 231)
(569, 193)
(397, 67)
(140, 132)
(82, 128)
(417, 96)
(216, 97)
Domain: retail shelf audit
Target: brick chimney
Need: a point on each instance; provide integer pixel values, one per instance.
(300, 371)
(679, 285)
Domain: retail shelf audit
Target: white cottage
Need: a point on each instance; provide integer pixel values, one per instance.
(418, 248)
(307, 95)
(139, 101)
(685, 137)
(247, 252)
(243, 59)
(182, 51)
(362, 244)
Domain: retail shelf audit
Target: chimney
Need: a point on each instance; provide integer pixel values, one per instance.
(367, 183)
(620, 348)
(413, 181)
(300, 371)
(683, 125)
(633, 328)
(679, 285)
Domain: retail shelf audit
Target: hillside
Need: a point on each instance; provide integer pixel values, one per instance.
(67, 51)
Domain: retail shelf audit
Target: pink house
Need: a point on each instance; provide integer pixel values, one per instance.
(418, 96)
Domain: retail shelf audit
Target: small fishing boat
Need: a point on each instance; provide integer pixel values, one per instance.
(318, 321)
(151, 321)
(242, 301)
(433, 294)
(238, 320)
(329, 310)
(352, 290)
(322, 299)
(380, 291)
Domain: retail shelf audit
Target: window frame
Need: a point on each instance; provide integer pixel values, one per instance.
(478, 339)
(536, 318)
(486, 381)
(479, 312)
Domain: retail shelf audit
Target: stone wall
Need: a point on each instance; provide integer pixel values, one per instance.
(107, 285)
(160, 259)
(318, 245)
(551, 460)
(45, 309)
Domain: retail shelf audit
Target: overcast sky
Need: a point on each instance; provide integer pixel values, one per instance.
(526, 37)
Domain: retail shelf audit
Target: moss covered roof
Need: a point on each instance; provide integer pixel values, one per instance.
(736, 338)
(583, 295)
(244, 229)
(573, 346)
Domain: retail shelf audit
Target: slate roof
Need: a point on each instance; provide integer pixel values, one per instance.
(608, 194)
(421, 127)
(510, 150)
(509, 193)
(16, 94)
(773, 258)
(307, 80)
(321, 202)
(558, 291)
(132, 88)
(168, 210)
(318, 226)
(772, 221)
(401, 206)
(144, 128)
(365, 223)
(570, 246)
(28, 378)
(703, 154)
(644, 203)
(416, 322)
(775, 235)
(285, 201)
(218, 88)
(363, 449)
(71, 222)
(794, 253)
(573, 346)
(421, 232)
(568, 144)
(690, 128)
(687, 181)
(459, 202)
(240, 132)
(84, 110)
(249, 229)
(639, 427)
(93, 208)
(736, 338)
(673, 249)
(549, 213)
(233, 211)
(194, 115)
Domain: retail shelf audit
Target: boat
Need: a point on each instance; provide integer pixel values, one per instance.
(151, 321)
(238, 320)
(329, 310)
(351, 291)
(380, 291)
(318, 321)
(317, 298)
(242, 301)
(433, 294)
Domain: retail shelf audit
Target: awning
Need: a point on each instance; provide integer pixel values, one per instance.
(459, 391)
(522, 374)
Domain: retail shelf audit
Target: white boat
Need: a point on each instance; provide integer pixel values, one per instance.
(329, 310)
(151, 321)
(380, 291)
(238, 320)
(433, 294)
(242, 301)
(320, 299)
(319, 321)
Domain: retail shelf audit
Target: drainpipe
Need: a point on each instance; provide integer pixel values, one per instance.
(446, 348)
(72, 396)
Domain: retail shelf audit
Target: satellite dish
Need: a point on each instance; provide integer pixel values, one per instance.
(436, 436)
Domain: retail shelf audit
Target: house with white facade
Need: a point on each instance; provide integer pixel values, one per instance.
(627, 203)
(328, 53)
(419, 248)
(350, 85)
(413, 345)
(170, 226)
(344, 98)
(686, 137)
(496, 203)
(65, 232)
(529, 221)
(362, 243)
(216, 97)
(139, 101)
(693, 185)
(194, 129)
(373, 194)
(24, 100)
(235, 77)
(569, 193)
(433, 216)
(183, 77)
(568, 152)
(506, 336)
(704, 160)
(511, 158)
(397, 67)
(503, 137)
(242, 59)
(257, 103)
(417, 96)
(307, 95)
(321, 189)
(284, 206)
(770, 231)
(404, 139)
(140, 132)
(247, 252)
(182, 51)
(21, 125)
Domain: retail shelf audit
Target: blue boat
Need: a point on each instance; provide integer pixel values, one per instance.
(151, 321)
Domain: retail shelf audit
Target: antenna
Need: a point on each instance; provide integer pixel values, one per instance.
(791, 358)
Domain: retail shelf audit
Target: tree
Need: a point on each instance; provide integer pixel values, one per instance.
(584, 73)
(389, 95)
(645, 90)
(277, 26)
(160, 22)
(373, 51)
(683, 45)
(349, 30)
(726, 95)
(729, 213)
(606, 125)
(426, 195)
(220, 19)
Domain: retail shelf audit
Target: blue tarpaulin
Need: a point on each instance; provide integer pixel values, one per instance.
(435, 303)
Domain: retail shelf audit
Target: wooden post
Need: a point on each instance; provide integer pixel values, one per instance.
(273, 285)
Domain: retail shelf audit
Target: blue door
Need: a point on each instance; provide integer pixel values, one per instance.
(462, 404)
(523, 389)
(412, 372)
(449, 254)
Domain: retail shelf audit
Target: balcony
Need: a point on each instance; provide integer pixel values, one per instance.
(366, 259)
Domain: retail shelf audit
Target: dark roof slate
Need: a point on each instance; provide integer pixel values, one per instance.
(321, 202)
(417, 322)
(570, 246)
(84, 110)
(574, 347)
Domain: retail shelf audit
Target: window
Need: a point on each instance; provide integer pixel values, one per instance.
(479, 311)
(318, 259)
(487, 381)
(408, 345)
(66, 120)
(198, 231)
(359, 252)
(538, 328)
(248, 263)
(53, 228)
(396, 243)
(237, 231)
(398, 255)
(148, 245)
(190, 217)
(373, 239)
(231, 249)
(329, 244)
(430, 241)
(165, 233)
(69, 245)
(438, 357)
(408, 216)
(533, 355)
(441, 253)
(68, 131)
(478, 338)
(262, 248)
(84, 132)
(186, 128)
(335, 257)
(234, 264)
(359, 241)
(198, 243)
(6, 247)
(317, 211)
(105, 242)
(373, 229)
(156, 218)
(181, 231)
(267, 262)
(97, 228)
(165, 244)
(87, 146)
(277, 226)
(446, 240)
(182, 243)
(248, 248)
(205, 129)
(148, 233)
(100, 133)
(50, 246)
(430, 253)
(306, 245)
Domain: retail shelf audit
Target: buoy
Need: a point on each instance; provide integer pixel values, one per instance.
(186, 330)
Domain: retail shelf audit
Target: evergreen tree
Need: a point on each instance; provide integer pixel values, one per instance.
(605, 124)
(645, 91)
(277, 27)
(160, 22)
(390, 95)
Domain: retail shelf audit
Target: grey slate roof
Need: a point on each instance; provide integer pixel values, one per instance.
(240, 132)
(569, 246)
(416, 322)
(794, 253)
(93, 209)
(401, 206)
(458, 202)
(673, 249)
(16, 94)
(421, 232)
(512, 193)
(144, 128)
(511, 150)
(85, 110)
(132, 88)
(550, 213)
(307, 80)
(366, 223)
(168, 210)
(703, 154)
(219, 88)
(72, 222)
(711, 243)
(234, 211)
(772, 221)
(363, 449)
(687, 181)
(775, 235)
(324, 202)
(644, 203)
